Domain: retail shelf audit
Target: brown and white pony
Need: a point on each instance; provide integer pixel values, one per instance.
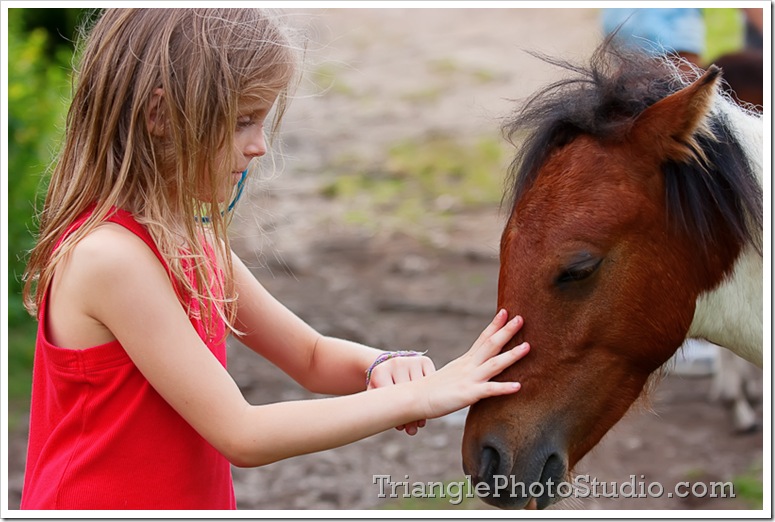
(636, 222)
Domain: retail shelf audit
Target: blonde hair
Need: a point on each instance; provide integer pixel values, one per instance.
(204, 61)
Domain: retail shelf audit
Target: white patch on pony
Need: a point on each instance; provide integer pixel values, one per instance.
(731, 314)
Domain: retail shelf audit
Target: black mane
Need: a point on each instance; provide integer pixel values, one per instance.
(602, 100)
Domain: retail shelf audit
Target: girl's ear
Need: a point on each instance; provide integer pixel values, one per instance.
(155, 113)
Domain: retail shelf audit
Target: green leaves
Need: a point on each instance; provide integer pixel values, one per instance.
(38, 93)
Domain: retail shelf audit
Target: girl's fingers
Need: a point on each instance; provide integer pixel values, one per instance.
(394, 371)
(501, 388)
(467, 379)
(402, 370)
(496, 365)
(380, 379)
(497, 340)
(500, 362)
(411, 428)
(496, 324)
(416, 371)
(401, 374)
(427, 366)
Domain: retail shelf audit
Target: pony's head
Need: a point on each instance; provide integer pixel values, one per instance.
(630, 198)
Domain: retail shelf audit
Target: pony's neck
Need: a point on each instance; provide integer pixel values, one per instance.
(730, 315)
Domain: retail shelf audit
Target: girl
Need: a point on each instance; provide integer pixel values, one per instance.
(135, 286)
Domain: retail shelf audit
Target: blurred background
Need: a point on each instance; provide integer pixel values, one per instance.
(379, 221)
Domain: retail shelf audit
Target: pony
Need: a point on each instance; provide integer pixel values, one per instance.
(636, 222)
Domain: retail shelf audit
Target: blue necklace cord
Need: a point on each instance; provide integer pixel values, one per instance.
(233, 203)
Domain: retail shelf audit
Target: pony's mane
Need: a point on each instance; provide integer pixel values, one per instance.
(602, 100)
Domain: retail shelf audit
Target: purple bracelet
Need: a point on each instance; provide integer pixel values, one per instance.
(387, 356)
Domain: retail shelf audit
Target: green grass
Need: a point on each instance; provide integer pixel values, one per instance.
(444, 66)
(425, 96)
(448, 495)
(484, 76)
(749, 487)
(38, 90)
(420, 180)
(328, 78)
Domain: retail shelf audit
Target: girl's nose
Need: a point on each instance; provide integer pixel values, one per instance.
(256, 145)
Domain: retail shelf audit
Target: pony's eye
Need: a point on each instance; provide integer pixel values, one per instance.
(579, 270)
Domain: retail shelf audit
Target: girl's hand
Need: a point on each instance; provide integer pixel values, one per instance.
(466, 379)
(398, 370)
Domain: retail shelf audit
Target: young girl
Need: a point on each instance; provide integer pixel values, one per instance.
(135, 286)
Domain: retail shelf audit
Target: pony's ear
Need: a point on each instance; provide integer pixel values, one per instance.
(668, 128)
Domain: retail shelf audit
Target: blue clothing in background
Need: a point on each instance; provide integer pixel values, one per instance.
(658, 31)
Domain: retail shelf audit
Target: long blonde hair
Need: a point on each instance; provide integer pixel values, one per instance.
(204, 61)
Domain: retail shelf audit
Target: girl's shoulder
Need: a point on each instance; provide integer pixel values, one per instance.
(110, 249)
(107, 262)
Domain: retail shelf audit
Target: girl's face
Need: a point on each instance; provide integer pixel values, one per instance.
(249, 140)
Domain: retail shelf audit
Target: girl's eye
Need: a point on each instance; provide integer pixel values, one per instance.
(244, 122)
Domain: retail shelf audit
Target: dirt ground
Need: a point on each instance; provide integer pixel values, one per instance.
(376, 77)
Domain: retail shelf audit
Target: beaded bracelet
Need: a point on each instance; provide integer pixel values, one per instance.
(387, 356)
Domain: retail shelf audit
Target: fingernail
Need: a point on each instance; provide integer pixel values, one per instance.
(520, 350)
(516, 385)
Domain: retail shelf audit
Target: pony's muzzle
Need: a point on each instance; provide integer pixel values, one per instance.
(492, 477)
(512, 486)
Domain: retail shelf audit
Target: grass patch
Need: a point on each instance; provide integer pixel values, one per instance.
(429, 95)
(484, 76)
(443, 166)
(444, 66)
(448, 495)
(749, 487)
(447, 67)
(421, 180)
(328, 78)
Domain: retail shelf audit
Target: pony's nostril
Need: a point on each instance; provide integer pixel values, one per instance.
(488, 465)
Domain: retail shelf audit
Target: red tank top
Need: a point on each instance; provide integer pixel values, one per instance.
(102, 438)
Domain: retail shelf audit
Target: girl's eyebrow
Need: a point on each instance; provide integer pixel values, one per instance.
(254, 107)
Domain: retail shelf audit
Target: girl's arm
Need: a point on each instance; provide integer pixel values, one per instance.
(320, 363)
(125, 288)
